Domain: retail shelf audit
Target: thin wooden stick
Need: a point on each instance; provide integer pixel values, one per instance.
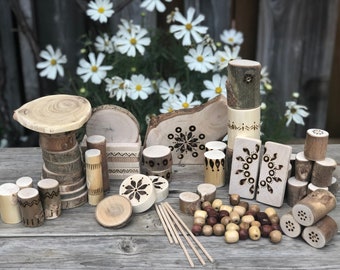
(165, 227)
(169, 224)
(179, 240)
(180, 227)
(190, 233)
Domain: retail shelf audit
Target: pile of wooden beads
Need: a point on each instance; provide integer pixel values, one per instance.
(236, 221)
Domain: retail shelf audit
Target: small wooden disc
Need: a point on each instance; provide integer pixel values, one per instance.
(115, 123)
(74, 202)
(54, 114)
(189, 202)
(114, 211)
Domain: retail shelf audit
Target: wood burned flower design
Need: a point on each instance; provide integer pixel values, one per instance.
(273, 168)
(157, 183)
(136, 190)
(186, 142)
(247, 160)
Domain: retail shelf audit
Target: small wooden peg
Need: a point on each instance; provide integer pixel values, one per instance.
(296, 190)
(303, 167)
(316, 144)
(189, 202)
(323, 172)
(207, 192)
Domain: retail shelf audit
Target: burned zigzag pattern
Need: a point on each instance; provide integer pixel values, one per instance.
(121, 171)
(29, 203)
(50, 195)
(122, 157)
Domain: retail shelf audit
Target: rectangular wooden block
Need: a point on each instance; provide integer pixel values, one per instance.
(273, 177)
(245, 167)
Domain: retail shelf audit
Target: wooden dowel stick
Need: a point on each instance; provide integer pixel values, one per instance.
(178, 238)
(179, 226)
(190, 233)
(165, 227)
(170, 226)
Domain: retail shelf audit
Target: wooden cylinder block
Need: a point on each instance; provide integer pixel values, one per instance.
(24, 182)
(296, 190)
(207, 192)
(50, 197)
(74, 202)
(58, 142)
(303, 167)
(189, 202)
(216, 145)
(9, 207)
(314, 207)
(94, 178)
(290, 226)
(316, 142)
(311, 188)
(65, 168)
(157, 158)
(63, 178)
(214, 172)
(323, 172)
(65, 156)
(72, 187)
(320, 233)
(99, 142)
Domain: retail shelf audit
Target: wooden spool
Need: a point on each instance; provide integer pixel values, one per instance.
(214, 172)
(320, 233)
(207, 192)
(24, 182)
(114, 211)
(157, 158)
(316, 142)
(323, 172)
(50, 197)
(99, 142)
(314, 207)
(9, 207)
(189, 202)
(161, 186)
(290, 226)
(296, 190)
(139, 189)
(303, 167)
(94, 178)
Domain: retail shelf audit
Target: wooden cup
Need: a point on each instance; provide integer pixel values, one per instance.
(214, 172)
(50, 197)
(9, 208)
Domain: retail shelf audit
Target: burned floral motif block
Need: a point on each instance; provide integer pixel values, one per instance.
(245, 167)
(273, 174)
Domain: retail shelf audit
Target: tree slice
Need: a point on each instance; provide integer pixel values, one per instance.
(65, 168)
(75, 201)
(186, 131)
(74, 193)
(189, 202)
(115, 123)
(207, 192)
(59, 142)
(62, 156)
(303, 167)
(321, 233)
(296, 190)
(314, 207)
(54, 114)
(290, 226)
(114, 211)
(63, 178)
(316, 142)
(323, 172)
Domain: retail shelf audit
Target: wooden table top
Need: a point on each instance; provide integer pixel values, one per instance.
(76, 241)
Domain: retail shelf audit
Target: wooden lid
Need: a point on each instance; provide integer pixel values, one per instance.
(54, 114)
(114, 211)
(115, 123)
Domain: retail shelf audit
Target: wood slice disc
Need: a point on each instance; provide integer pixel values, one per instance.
(290, 226)
(54, 114)
(63, 178)
(24, 182)
(72, 187)
(58, 142)
(74, 202)
(114, 211)
(62, 156)
(74, 193)
(161, 187)
(189, 202)
(115, 123)
(140, 190)
(64, 168)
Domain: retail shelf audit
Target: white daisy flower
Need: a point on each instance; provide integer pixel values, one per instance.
(265, 82)
(150, 5)
(52, 66)
(224, 57)
(100, 10)
(232, 37)
(93, 69)
(185, 102)
(126, 26)
(189, 27)
(117, 87)
(215, 87)
(140, 87)
(169, 89)
(133, 40)
(170, 105)
(104, 43)
(200, 59)
(296, 113)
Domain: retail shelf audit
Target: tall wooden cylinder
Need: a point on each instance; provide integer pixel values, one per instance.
(214, 172)
(94, 178)
(296, 190)
(316, 142)
(323, 172)
(50, 197)
(9, 207)
(303, 167)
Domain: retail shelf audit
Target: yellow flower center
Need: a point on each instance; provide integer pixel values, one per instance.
(101, 10)
(138, 87)
(231, 39)
(172, 91)
(121, 85)
(53, 62)
(170, 109)
(218, 90)
(222, 59)
(94, 68)
(185, 105)
(293, 110)
(133, 41)
(200, 58)
(188, 26)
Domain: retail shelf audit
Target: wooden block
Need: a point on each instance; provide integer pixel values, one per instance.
(189, 202)
(214, 172)
(316, 144)
(157, 157)
(323, 172)
(296, 190)
(207, 192)
(311, 187)
(9, 207)
(245, 167)
(290, 226)
(303, 167)
(273, 174)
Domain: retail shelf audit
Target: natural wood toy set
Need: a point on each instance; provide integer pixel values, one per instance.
(111, 150)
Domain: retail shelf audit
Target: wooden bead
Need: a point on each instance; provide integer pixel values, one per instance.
(207, 192)
(323, 172)
(189, 202)
(290, 226)
(303, 167)
(296, 190)
(314, 207)
(316, 142)
(9, 207)
(320, 233)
